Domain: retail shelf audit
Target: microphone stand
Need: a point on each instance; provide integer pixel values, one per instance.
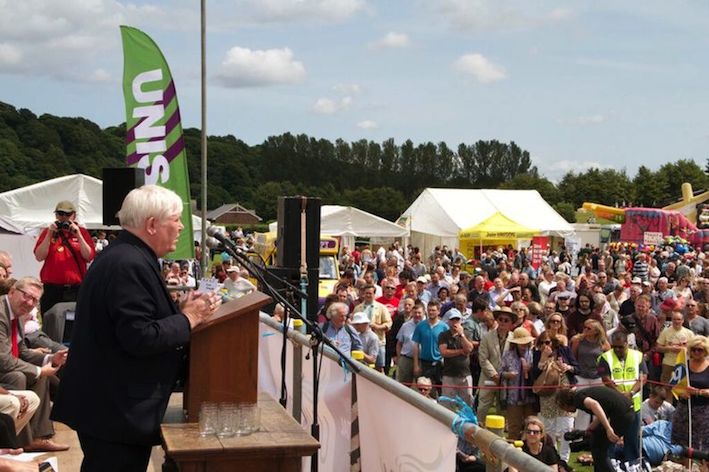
(317, 337)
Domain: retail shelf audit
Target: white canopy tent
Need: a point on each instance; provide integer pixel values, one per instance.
(349, 222)
(25, 211)
(437, 215)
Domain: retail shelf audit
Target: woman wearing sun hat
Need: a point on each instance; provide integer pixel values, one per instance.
(516, 372)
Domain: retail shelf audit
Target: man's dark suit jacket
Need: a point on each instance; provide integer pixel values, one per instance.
(126, 349)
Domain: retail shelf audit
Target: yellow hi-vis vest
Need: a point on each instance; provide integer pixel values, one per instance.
(625, 374)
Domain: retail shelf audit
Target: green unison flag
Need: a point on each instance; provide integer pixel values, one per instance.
(154, 139)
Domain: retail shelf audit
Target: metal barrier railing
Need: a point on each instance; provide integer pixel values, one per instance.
(491, 444)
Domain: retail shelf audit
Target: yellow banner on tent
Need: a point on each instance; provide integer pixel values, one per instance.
(497, 227)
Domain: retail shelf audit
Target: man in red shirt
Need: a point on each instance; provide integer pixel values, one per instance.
(65, 248)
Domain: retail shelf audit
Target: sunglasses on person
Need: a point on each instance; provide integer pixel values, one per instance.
(504, 320)
(547, 342)
(534, 431)
(63, 213)
(698, 349)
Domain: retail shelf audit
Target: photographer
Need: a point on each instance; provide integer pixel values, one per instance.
(66, 248)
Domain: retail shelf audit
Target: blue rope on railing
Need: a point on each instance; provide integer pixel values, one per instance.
(464, 414)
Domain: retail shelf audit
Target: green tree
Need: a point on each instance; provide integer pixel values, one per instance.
(649, 188)
(566, 210)
(531, 181)
(673, 175)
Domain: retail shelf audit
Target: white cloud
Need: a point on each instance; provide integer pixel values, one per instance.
(479, 67)
(9, 54)
(556, 170)
(495, 15)
(559, 14)
(367, 124)
(585, 120)
(328, 106)
(243, 67)
(285, 10)
(391, 40)
(62, 39)
(347, 89)
(99, 75)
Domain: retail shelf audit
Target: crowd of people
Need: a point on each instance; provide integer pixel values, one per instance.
(610, 320)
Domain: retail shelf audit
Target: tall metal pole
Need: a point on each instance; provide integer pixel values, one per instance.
(205, 250)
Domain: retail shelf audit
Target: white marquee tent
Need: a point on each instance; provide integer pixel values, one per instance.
(349, 223)
(437, 215)
(25, 211)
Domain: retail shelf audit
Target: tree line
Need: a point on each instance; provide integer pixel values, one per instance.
(382, 178)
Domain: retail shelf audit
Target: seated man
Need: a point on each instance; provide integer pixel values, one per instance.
(21, 367)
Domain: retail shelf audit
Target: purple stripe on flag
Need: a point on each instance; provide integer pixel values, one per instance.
(175, 149)
(167, 96)
(170, 124)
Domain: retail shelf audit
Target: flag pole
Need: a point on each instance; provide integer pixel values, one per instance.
(689, 397)
(203, 28)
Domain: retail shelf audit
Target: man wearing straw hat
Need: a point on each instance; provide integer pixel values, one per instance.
(492, 345)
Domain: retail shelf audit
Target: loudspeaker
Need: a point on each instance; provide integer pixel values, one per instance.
(289, 231)
(117, 182)
(292, 275)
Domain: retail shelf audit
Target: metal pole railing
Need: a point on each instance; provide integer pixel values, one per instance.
(491, 444)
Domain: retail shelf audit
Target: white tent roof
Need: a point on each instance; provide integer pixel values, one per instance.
(444, 212)
(336, 220)
(339, 220)
(27, 210)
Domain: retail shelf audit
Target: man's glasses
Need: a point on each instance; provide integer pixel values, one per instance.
(63, 213)
(504, 320)
(534, 431)
(618, 348)
(28, 296)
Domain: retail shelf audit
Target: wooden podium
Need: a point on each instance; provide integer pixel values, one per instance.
(224, 355)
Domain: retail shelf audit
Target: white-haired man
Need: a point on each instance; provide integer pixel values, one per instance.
(336, 329)
(129, 338)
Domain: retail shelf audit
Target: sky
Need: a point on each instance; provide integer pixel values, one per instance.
(603, 84)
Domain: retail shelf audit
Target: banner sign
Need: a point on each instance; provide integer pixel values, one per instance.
(395, 435)
(653, 237)
(540, 246)
(154, 139)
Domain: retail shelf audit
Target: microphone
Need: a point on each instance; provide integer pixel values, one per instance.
(216, 234)
(212, 243)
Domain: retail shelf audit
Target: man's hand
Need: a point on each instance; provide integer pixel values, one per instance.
(198, 307)
(612, 437)
(24, 404)
(74, 227)
(48, 370)
(59, 358)
(417, 370)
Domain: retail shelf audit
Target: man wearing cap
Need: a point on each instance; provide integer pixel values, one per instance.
(235, 285)
(492, 345)
(379, 318)
(66, 248)
(455, 348)
(370, 341)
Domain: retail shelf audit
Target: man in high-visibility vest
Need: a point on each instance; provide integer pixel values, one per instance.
(624, 370)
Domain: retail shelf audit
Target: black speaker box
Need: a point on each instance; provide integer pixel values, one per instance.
(289, 231)
(117, 182)
(292, 275)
